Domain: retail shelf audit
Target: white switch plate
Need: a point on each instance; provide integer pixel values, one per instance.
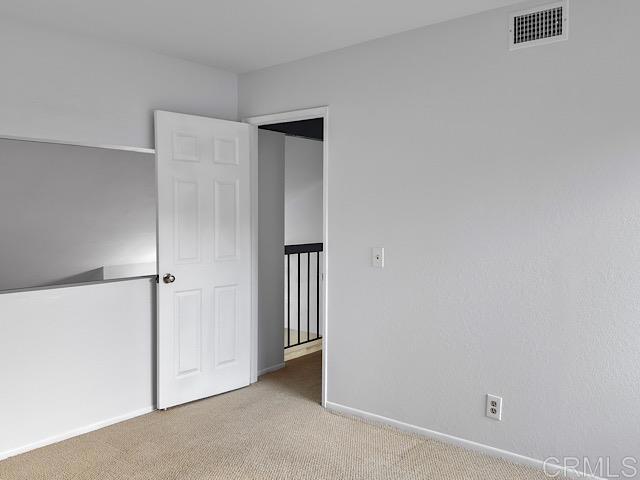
(494, 407)
(377, 257)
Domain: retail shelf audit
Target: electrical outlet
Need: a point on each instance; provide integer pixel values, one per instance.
(494, 407)
(377, 257)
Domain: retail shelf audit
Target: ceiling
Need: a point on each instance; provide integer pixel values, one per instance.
(312, 128)
(241, 35)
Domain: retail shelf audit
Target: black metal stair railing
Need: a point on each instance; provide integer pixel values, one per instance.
(300, 251)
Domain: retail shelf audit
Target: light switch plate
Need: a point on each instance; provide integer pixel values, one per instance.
(377, 257)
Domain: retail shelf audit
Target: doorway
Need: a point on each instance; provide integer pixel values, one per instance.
(303, 246)
(292, 238)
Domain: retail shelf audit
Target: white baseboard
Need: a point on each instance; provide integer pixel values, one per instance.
(75, 432)
(270, 369)
(554, 471)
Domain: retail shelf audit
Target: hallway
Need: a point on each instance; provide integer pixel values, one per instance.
(274, 429)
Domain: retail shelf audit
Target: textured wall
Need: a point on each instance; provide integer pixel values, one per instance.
(73, 88)
(73, 357)
(504, 187)
(69, 87)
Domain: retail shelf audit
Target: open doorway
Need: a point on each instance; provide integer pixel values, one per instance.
(303, 240)
(291, 327)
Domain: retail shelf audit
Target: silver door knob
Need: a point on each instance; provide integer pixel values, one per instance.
(168, 278)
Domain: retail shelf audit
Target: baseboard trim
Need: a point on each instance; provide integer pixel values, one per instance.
(270, 369)
(75, 432)
(553, 471)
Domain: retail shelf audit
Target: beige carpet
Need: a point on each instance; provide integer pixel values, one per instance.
(274, 429)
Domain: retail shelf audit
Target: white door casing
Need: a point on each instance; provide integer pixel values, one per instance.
(204, 241)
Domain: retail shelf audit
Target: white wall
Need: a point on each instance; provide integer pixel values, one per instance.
(73, 88)
(504, 188)
(303, 191)
(74, 357)
(271, 161)
(68, 87)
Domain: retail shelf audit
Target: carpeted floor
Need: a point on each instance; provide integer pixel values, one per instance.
(274, 429)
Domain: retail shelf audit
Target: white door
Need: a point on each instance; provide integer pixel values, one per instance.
(204, 257)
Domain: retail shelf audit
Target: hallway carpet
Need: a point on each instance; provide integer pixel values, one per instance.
(274, 429)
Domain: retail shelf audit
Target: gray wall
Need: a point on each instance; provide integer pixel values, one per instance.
(67, 211)
(302, 191)
(69, 87)
(74, 359)
(270, 248)
(504, 187)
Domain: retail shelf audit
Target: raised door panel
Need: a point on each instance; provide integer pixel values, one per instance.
(225, 151)
(188, 332)
(186, 221)
(226, 324)
(227, 213)
(185, 147)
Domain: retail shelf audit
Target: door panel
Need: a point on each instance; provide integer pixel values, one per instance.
(188, 319)
(226, 220)
(226, 302)
(186, 221)
(204, 241)
(226, 151)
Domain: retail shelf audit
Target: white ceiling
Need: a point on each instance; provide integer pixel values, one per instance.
(242, 35)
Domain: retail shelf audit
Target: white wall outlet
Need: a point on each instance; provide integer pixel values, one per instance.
(377, 257)
(494, 407)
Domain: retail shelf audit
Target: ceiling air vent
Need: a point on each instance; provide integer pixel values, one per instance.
(538, 26)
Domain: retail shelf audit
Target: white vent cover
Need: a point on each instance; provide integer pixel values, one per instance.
(539, 26)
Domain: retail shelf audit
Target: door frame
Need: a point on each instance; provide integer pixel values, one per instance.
(281, 117)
